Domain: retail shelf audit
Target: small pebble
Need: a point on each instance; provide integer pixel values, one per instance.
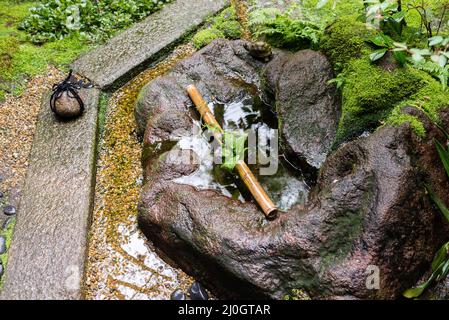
(197, 292)
(9, 210)
(2, 245)
(1, 195)
(178, 294)
(1, 269)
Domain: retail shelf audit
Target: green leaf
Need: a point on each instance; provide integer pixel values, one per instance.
(417, 291)
(443, 152)
(446, 134)
(444, 271)
(417, 57)
(382, 40)
(440, 257)
(442, 60)
(400, 46)
(439, 203)
(378, 41)
(400, 57)
(378, 54)
(233, 149)
(398, 16)
(434, 41)
(321, 3)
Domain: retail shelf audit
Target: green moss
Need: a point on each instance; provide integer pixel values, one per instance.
(7, 234)
(231, 29)
(206, 36)
(345, 40)
(225, 25)
(102, 108)
(370, 94)
(228, 14)
(430, 99)
(397, 118)
(297, 294)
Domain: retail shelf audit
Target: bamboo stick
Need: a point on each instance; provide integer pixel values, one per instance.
(243, 170)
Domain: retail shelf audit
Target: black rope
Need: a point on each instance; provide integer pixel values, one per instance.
(71, 86)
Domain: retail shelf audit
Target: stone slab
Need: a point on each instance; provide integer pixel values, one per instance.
(146, 42)
(47, 253)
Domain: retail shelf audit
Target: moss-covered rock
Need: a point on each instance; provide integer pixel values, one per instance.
(345, 40)
(431, 98)
(225, 25)
(371, 93)
(206, 36)
(228, 14)
(231, 29)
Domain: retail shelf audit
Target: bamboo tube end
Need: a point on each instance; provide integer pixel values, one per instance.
(191, 88)
(272, 214)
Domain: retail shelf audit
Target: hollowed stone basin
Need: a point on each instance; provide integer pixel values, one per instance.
(367, 213)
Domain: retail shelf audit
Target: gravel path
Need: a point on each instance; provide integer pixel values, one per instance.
(18, 117)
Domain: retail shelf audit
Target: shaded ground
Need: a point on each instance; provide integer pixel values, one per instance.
(121, 263)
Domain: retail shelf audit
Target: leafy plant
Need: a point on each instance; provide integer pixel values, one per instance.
(339, 80)
(95, 20)
(440, 264)
(297, 294)
(429, 18)
(385, 44)
(233, 149)
(297, 27)
(433, 59)
(385, 15)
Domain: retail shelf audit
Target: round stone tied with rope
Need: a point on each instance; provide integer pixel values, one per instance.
(65, 100)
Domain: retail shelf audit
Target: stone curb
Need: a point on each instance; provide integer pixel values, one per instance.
(135, 49)
(47, 253)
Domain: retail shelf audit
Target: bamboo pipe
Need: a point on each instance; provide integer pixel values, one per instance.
(251, 182)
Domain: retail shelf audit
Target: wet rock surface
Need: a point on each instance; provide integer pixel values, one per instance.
(197, 292)
(308, 107)
(178, 294)
(367, 210)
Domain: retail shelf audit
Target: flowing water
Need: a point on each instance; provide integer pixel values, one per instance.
(286, 186)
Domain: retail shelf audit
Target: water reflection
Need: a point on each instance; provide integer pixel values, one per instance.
(286, 188)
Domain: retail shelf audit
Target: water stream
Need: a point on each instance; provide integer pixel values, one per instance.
(286, 186)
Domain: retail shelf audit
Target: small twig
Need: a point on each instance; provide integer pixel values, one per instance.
(441, 19)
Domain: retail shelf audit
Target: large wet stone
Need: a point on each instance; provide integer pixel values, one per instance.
(368, 211)
(46, 256)
(308, 107)
(146, 42)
